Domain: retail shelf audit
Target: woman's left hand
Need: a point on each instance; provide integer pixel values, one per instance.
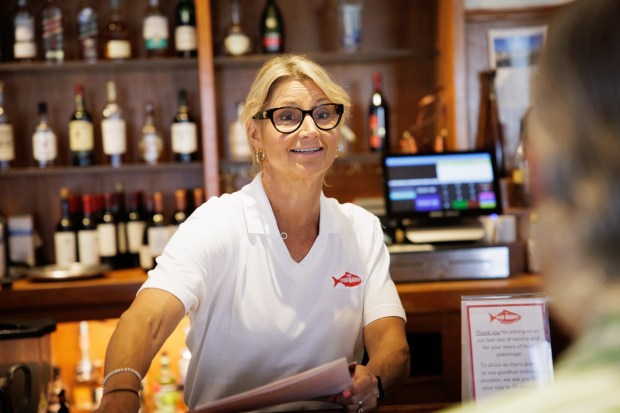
(361, 397)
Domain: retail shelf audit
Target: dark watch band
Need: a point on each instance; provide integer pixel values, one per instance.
(380, 394)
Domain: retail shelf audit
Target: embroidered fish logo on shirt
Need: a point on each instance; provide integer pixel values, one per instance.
(348, 280)
(505, 317)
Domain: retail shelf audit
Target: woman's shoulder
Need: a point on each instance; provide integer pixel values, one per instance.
(350, 211)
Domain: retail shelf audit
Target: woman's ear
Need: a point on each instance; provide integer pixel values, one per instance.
(253, 134)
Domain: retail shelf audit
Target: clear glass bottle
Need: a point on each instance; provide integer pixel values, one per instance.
(113, 127)
(155, 31)
(236, 42)
(87, 32)
(185, 43)
(7, 140)
(151, 143)
(272, 28)
(65, 238)
(378, 117)
(81, 131)
(25, 47)
(53, 32)
(184, 134)
(44, 144)
(117, 44)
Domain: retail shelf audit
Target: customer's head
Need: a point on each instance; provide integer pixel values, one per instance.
(575, 133)
(284, 68)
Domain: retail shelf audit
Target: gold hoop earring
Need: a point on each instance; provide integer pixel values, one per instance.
(260, 156)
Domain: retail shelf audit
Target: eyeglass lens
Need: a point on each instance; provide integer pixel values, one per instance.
(288, 119)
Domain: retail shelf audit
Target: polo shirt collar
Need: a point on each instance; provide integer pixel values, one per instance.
(259, 215)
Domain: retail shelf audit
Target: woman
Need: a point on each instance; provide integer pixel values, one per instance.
(276, 278)
(575, 142)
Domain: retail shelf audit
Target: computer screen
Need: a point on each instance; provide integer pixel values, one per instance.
(440, 186)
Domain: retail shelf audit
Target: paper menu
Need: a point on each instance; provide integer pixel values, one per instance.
(324, 380)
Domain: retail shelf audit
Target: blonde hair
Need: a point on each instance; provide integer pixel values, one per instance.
(291, 67)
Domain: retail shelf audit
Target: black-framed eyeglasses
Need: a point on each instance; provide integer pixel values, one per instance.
(288, 119)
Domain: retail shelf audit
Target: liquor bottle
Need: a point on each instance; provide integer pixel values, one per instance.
(155, 30)
(272, 28)
(24, 48)
(120, 212)
(4, 248)
(183, 132)
(7, 141)
(44, 146)
(378, 117)
(117, 45)
(180, 210)
(490, 135)
(156, 233)
(113, 127)
(107, 237)
(65, 238)
(81, 134)
(166, 392)
(87, 32)
(236, 41)
(88, 247)
(53, 32)
(239, 146)
(185, 43)
(151, 143)
(135, 227)
(198, 198)
(84, 371)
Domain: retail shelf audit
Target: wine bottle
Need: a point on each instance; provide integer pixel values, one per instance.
(490, 135)
(84, 370)
(53, 32)
(183, 131)
(135, 227)
(151, 143)
(155, 30)
(4, 248)
(87, 32)
(65, 237)
(7, 141)
(88, 247)
(156, 233)
(113, 127)
(185, 43)
(117, 45)
(236, 41)
(81, 134)
(378, 117)
(180, 210)
(120, 212)
(198, 198)
(44, 146)
(24, 48)
(272, 28)
(239, 146)
(107, 233)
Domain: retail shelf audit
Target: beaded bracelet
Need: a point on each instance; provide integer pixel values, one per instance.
(122, 370)
(125, 389)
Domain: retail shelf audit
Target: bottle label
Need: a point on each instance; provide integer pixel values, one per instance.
(272, 42)
(81, 136)
(24, 29)
(24, 50)
(185, 38)
(155, 32)
(151, 147)
(121, 232)
(158, 238)
(7, 145)
(65, 247)
(237, 44)
(135, 232)
(44, 146)
(88, 247)
(184, 137)
(113, 132)
(118, 49)
(106, 234)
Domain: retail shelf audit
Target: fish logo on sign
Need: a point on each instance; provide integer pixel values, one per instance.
(348, 280)
(505, 317)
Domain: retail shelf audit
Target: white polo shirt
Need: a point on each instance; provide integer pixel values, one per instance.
(257, 315)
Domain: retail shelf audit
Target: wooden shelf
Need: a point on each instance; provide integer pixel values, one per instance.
(102, 65)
